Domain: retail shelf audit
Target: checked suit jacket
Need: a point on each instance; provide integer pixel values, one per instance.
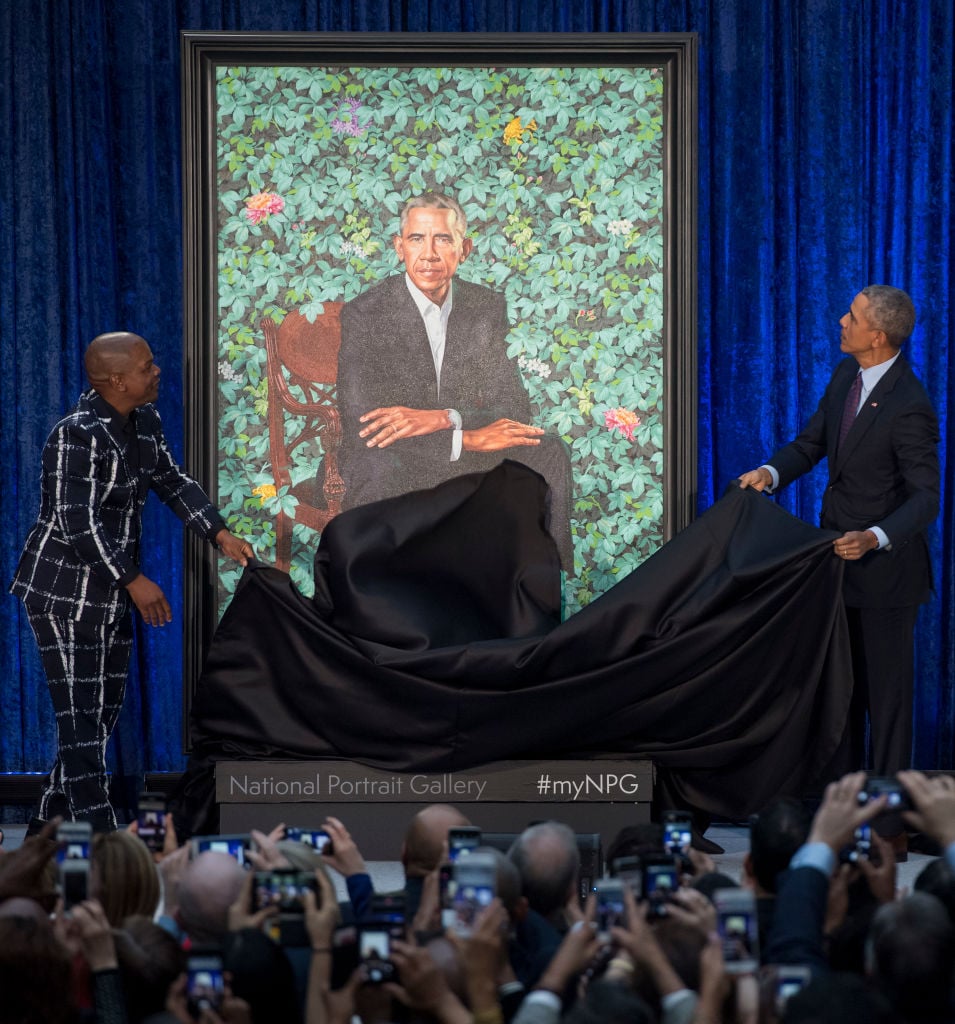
(886, 474)
(84, 547)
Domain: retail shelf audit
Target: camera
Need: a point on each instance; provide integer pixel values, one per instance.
(234, 845)
(659, 877)
(896, 797)
(628, 870)
(317, 838)
(74, 839)
(611, 909)
(151, 820)
(737, 926)
(374, 952)
(677, 833)
(462, 841)
(282, 888)
(860, 848)
(473, 886)
(205, 982)
(790, 978)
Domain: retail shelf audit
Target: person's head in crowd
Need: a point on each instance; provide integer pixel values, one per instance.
(547, 858)
(836, 997)
(635, 841)
(712, 882)
(123, 876)
(150, 960)
(938, 880)
(262, 975)
(775, 834)
(35, 973)
(210, 884)
(609, 1002)
(911, 957)
(424, 841)
(682, 943)
(847, 940)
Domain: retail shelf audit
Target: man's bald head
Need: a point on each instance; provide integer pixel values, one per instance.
(121, 368)
(110, 353)
(426, 834)
(209, 885)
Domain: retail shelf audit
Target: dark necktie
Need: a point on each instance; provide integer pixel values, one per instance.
(851, 407)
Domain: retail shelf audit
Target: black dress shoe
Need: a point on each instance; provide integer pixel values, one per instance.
(699, 842)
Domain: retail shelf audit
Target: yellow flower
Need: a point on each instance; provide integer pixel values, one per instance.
(264, 491)
(513, 132)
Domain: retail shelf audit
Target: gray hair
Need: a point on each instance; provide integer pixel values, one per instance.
(890, 310)
(435, 201)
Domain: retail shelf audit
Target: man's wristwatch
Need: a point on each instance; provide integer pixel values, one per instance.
(454, 418)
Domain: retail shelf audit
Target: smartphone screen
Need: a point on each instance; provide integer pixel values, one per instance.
(462, 840)
(374, 949)
(205, 983)
(677, 833)
(151, 820)
(475, 882)
(737, 926)
(611, 909)
(317, 838)
(234, 846)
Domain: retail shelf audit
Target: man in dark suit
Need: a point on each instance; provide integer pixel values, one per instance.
(876, 427)
(425, 388)
(79, 571)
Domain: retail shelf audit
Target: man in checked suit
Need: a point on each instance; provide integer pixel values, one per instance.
(425, 388)
(876, 427)
(79, 572)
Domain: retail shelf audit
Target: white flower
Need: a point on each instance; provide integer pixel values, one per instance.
(620, 227)
(227, 371)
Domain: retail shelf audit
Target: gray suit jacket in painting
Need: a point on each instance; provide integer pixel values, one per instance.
(85, 545)
(885, 474)
(385, 360)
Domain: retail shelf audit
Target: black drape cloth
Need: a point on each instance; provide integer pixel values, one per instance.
(434, 643)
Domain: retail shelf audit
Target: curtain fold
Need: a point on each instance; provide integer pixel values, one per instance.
(825, 164)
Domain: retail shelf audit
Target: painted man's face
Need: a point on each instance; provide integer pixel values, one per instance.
(431, 248)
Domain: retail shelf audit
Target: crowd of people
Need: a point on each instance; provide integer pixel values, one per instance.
(815, 930)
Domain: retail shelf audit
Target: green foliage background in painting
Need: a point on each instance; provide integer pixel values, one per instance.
(565, 209)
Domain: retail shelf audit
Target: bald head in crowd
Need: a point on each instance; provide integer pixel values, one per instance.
(209, 885)
(548, 860)
(425, 838)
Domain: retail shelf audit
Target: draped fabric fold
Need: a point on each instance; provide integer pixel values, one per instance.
(724, 658)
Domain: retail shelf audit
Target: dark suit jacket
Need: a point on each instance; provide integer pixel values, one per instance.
(385, 360)
(885, 474)
(84, 547)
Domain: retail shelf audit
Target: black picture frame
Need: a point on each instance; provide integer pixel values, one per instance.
(202, 53)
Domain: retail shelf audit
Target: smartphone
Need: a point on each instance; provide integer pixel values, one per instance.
(234, 845)
(475, 885)
(898, 798)
(374, 953)
(628, 870)
(737, 926)
(317, 838)
(790, 979)
(611, 909)
(205, 982)
(462, 840)
(283, 888)
(860, 848)
(74, 840)
(677, 833)
(659, 876)
(151, 820)
(389, 909)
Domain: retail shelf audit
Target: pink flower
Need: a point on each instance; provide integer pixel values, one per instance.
(623, 420)
(259, 206)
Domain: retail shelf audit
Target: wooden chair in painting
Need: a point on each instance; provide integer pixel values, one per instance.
(304, 355)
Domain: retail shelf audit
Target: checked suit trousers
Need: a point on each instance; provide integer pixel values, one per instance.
(86, 666)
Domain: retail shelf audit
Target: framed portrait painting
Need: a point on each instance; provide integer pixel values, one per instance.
(569, 164)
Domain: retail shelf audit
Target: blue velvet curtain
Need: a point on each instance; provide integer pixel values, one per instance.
(825, 164)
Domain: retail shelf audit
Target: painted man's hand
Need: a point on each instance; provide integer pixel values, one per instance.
(499, 435)
(394, 422)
